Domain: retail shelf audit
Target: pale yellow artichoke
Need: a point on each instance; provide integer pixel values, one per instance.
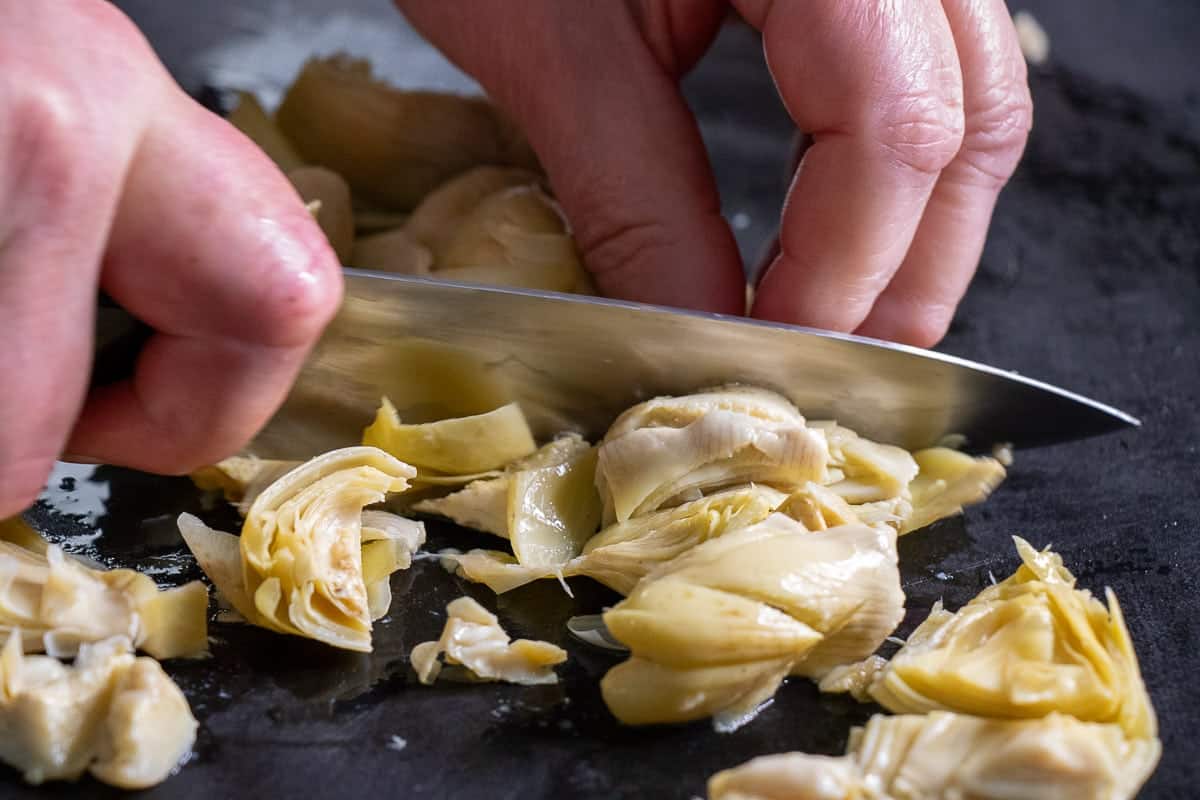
(714, 631)
(943, 755)
(118, 717)
(309, 560)
(1026, 647)
(474, 640)
(58, 604)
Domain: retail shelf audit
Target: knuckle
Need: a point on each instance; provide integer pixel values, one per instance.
(924, 132)
(998, 126)
(44, 150)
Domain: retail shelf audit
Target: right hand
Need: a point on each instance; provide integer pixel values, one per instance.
(112, 178)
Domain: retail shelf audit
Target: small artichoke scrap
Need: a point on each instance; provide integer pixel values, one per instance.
(1026, 647)
(947, 755)
(716, 630)
(474, 640)
(241, 478)
(310, 561)
(671, 449)
(118, 717)
(392, 146)
(623, 553)
(462, 447)
(58, 604)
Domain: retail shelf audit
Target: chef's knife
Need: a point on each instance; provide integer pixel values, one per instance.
(439, 349)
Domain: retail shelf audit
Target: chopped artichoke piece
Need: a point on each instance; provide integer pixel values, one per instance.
(819, 508)
(661, 452)
(869, 471)
(944, 755)
(334, 214)
(949, 480)
(436, 221)
(474, 639)
(21, 533)
(391, 251)
(249, 117)
(119, 717)
(58, 604)
(242, 478)
(554, 509)
(393, 146)
(1026, 647)
(300, 565)
(459, 446)
(481, 505)
(622, 554)
(727, 620)
(853, 679)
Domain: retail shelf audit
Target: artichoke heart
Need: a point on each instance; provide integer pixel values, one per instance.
(670, 449)
(715, 630)
(242, 478)
(310, 561)
(474, 640)
(946, 755)
(459, 446)
(119, 717)
(545, 504)
(436, 221)
(58, 604)
(1026, 647)
(622, 554)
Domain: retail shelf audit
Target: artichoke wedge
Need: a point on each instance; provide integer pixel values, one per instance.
(671, 449)
(241, 478)
(718, 628)
(474, 640)
(945, 755)
(119, 717)
(460, 446)
(622, 554)
(301, 565)
(1026, 647)
(58, 604)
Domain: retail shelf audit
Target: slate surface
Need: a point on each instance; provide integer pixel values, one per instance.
(1091, 280)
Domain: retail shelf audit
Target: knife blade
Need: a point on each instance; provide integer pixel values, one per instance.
(439, 349)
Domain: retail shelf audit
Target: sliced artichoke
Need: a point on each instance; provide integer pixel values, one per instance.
(242, 478)
(334, 212)
(437, 220)
(945, 755)
(727, 620)
(19, 532)
(459, 446)
(473, 639)
(667, 450)
(119, 717)
(391, 251)
(58, 604)
(622, 554)
(393, 146)
(249, 117)
(300, 565)
(1026, 647)
(947, 481)
(554, 509)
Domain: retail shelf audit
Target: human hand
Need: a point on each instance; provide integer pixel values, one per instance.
(918, 111)
(111, 177)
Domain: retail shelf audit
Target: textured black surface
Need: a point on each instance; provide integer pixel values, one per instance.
(1091, 280)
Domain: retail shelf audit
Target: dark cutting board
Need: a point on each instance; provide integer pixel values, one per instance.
(1091, 280)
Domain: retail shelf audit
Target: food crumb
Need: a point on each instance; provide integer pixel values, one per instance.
(397, 743)
(1003, 452)
(1034, 41)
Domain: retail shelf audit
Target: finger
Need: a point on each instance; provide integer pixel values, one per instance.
(919, 303)
(64, 148)
(878, 87)
(619, 145)
(214, 250)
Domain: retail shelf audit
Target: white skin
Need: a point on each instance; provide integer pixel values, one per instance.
(112, 178)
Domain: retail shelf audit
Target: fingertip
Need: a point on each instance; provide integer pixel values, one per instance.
(906, 321)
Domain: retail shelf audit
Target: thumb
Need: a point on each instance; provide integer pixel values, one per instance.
(619, 144)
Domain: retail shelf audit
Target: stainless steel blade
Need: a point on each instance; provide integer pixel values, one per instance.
(438, 349)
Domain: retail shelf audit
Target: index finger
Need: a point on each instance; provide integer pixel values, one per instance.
(880, 91)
